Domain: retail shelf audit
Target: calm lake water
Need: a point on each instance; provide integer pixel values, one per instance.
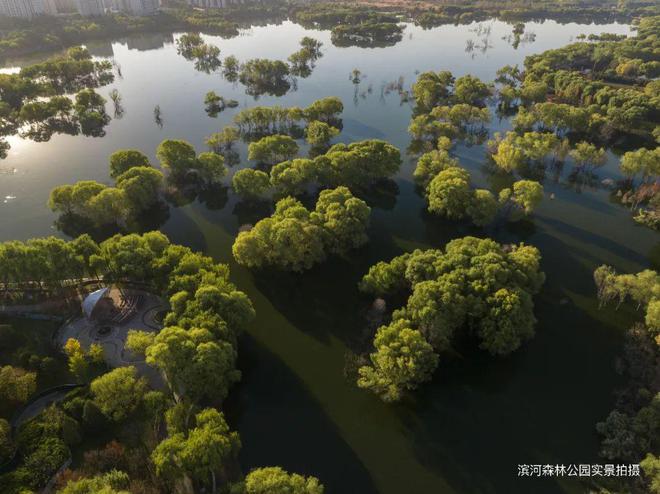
(480, 417)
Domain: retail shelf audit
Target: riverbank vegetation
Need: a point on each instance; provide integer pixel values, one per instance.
(365, 24)
(147, 439)
(630, 432)
(47, 33)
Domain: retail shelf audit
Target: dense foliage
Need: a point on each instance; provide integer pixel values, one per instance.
(601, 89)
(136, 190)
(261, 121)
(295, 238)
(357, 165)
(631, 432)
(195, 351)
(475, 287)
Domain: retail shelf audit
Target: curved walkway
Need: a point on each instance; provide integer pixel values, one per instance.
(41, 402)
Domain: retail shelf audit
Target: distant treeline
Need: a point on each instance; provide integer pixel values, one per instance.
(46, 33)
(361, 24)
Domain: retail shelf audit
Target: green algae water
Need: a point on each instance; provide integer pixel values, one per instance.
(467, 430)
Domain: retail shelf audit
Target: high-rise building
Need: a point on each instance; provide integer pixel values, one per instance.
(65, 6)
(213, 4)
(21, 8)
(50, 7)
(136, 7)
(90, 8)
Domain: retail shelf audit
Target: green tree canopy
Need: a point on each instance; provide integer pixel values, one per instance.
(644, 162)
(402, 360)
(113, 482)
(273, 149)
(250, 183)
(275, 480)
(295, 238)
(202, 453)
(179, 158)
(475, 285)
(324, 110)
(124, 159)
(196, 364)
(643, 288)
(449, 193)
(319, 134)
(119, 392)
(16, 384)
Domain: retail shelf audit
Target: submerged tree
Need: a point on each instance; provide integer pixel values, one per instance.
(250, 183)
(319, 134)
(180, 159)
(295, 238)
(124, 159)
(402, 360)
(274, 480)
(262, 76)
(273, 149)
(475, 285)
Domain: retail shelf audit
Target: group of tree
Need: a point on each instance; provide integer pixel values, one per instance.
(192, 47)
(462, 13)
(191, 447)
(476, 287)
(295, 238)
(642, 191)
(263, 120)
(631, 432)
(302, 62)
(367, 34)
(138, 185)
(433, 89)
(184, 165)
(450, 193)
(449, 107)
(45, 32)
(32, 101)
(352, 25)
(137, 188)
(357, 165)
(223, 141)
(82, 362)
(263, 76)
(274, 77)
(601, 90)
(521, 152)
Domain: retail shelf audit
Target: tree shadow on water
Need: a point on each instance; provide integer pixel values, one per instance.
(280, 423)
(325, 300)
(321, 302)
(482, 416)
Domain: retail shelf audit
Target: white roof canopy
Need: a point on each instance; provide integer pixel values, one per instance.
(91, 300)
